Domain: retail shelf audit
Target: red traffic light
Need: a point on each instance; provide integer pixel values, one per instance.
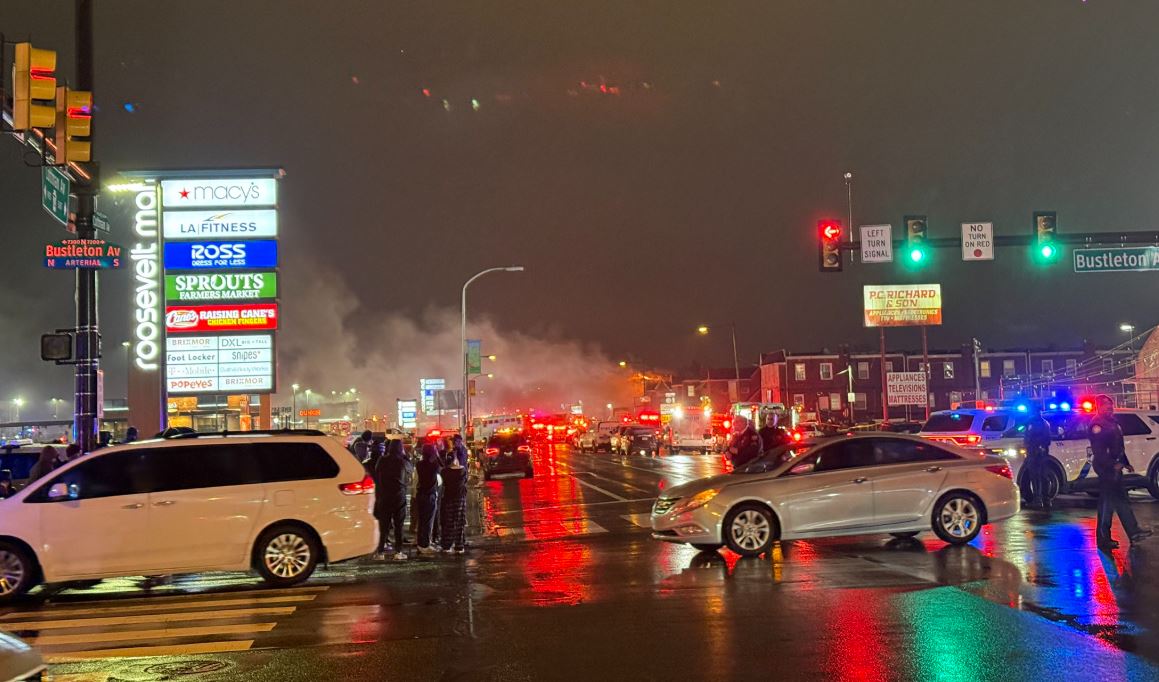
(829, 230)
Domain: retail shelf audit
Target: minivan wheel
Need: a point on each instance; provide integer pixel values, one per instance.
(750, 529)
(17, 571)
(286, 554)
(957, 517)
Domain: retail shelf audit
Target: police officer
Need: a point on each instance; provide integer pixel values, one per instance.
(745, 445)
(772, 435)
(1036, 441)
(1108, 457)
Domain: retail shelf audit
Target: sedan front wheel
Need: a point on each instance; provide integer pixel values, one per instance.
(957, 518)
(750, 529)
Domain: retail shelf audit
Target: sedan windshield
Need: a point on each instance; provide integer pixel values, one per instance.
(775, 458)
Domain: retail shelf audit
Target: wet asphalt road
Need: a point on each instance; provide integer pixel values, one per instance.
(566, 584)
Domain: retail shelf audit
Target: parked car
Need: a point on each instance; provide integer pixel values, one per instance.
(598, 437)
(507, 453)
(275, 502)
(845, 485)
(639, 440)
(18, 660)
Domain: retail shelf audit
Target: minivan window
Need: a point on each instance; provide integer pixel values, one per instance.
(202, 466)
(1132, 425)
(294, 462)
(950, 422)
(108, 475)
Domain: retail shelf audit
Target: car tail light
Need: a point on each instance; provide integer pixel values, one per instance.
(363, 487)
(797, 436)
(972, 439)
(492, 452)
(1001, 470)
(524, 448)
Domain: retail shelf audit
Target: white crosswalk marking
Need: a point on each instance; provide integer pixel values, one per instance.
(157, 626)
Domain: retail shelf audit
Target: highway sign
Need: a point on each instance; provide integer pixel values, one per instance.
(54, 190)
(1122, 259)
(977, 241)
(877, 243)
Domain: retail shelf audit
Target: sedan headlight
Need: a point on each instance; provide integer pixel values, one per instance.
(697, 501)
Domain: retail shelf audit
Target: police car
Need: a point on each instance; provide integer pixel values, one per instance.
(999, 430)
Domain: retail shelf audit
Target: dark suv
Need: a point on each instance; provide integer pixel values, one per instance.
(640, 440)
(507, 453)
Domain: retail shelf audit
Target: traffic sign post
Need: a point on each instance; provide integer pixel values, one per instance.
(877, 243)
(54, 190)
(977, 241)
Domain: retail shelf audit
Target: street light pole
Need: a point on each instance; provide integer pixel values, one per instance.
(464, 412)
(294, 411)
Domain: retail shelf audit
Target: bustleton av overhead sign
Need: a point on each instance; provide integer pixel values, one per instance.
(902, 305)
(1121, 259)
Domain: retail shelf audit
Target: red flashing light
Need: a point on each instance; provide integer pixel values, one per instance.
(727, 424)
(797, 436)
(434, 433)
(539, 426)
(522, 448)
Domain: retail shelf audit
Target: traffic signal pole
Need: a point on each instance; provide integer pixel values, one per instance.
(85, 419)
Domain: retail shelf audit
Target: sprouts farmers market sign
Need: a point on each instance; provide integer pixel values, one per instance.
(1125, 259)
(903, 305)
(221, 286)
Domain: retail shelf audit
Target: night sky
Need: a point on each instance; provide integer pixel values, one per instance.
(654, 165)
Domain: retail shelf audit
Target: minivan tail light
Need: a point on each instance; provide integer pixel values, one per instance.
(1001, 470)
(363, 487)
(492, 452)
(524, 448)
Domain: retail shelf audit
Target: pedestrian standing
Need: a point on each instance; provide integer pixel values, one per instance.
(454, 507)
(745, 445)
(131, 435)
(71, 452)
(1109, 458)
(1036, 441)
(44, 465)
(392, 475)
(7, 488)
(361, 446)
(428, 482)
(772, 435)
(460, 449)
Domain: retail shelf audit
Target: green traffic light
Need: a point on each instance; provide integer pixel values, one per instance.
(1047, 251)
(916, 255)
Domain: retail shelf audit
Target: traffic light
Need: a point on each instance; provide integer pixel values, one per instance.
(829, 245)
(916, 248)
(33, 87)
(74, 118)
(1045, 236)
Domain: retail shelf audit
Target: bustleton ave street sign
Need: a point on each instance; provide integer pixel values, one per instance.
(1122, 259)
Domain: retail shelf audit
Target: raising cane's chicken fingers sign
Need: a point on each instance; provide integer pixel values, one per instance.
(903, 305)
(221, 318)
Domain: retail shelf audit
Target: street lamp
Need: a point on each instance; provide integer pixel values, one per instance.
(1128, 329)
(492, 358)
(308, 408)
(464, 413)
(294, 410)
(703, 331)
(17, 403)
(55, 402)
(623, 363)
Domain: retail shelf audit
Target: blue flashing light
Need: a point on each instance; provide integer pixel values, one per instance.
(1052, 406)
(1065, 407)
(1022, 407)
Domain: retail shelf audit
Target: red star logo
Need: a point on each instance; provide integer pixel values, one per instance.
(184, 194)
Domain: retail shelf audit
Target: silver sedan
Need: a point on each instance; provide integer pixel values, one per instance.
(851, 485)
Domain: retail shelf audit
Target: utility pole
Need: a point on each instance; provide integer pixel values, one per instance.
(85, 422)
(977, 370)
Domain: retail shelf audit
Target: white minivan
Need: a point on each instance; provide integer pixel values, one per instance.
(277, 503)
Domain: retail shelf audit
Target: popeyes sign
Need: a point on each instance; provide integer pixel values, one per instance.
(221, 318)
(903, 305)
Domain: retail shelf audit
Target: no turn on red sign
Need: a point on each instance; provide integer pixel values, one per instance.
(977, 241)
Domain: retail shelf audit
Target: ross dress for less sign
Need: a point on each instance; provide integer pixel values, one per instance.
(906, 388)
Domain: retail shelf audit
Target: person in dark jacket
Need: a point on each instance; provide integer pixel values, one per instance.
(454, 507)
(7, 488)
(1036, 440)
(131, 435)
(428, 482)
(392, 474)
(44, 465)
(1108, 457)
(460, 450)
(745, 445)
(772, 435)
(361, 446)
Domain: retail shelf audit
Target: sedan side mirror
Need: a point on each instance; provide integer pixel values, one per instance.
(63, 491)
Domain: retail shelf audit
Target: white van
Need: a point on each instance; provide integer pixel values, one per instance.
(277, 503)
